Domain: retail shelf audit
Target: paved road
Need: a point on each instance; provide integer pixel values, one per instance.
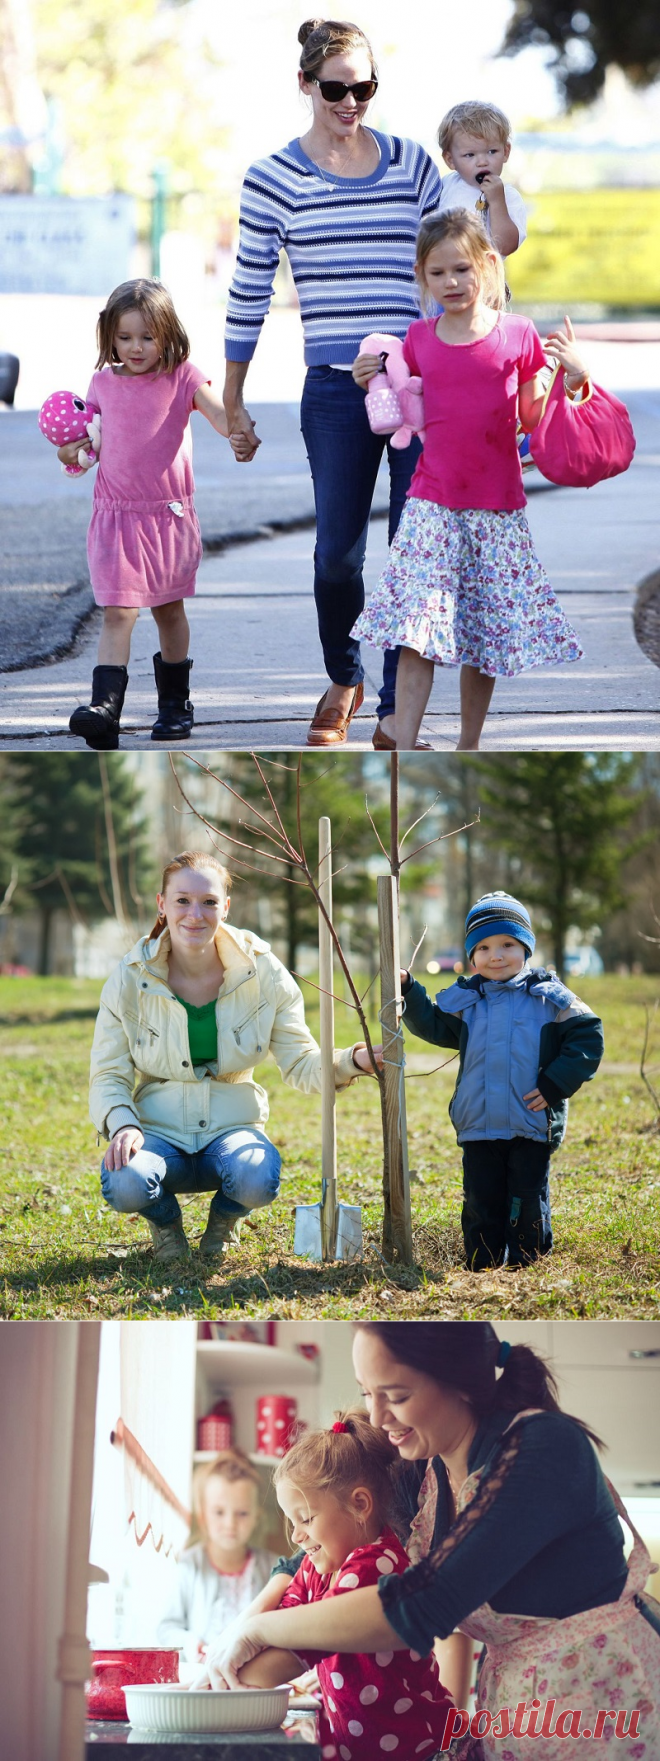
(258, 670)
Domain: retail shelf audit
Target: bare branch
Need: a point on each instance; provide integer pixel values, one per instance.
(223, 784)
(414, 1075)
(415, 951)
(440, 839)
(415, 822)
(324, 993)
(375, 830)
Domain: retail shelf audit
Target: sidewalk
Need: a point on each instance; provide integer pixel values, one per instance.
(258, 671)
(251, 686)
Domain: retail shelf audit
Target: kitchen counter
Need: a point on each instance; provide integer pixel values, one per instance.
(298, 1737)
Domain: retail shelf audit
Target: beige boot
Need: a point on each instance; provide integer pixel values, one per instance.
(169, 1241)
(219, 1234)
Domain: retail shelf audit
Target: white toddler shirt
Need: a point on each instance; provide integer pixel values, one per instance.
(456, 193)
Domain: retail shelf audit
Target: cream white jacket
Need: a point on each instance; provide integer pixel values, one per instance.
(141, 1073)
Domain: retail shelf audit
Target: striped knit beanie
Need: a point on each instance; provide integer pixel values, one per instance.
(498, 914)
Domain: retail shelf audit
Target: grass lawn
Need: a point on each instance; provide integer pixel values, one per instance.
(64, 1254)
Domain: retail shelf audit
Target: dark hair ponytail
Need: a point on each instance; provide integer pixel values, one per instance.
(466, 1355)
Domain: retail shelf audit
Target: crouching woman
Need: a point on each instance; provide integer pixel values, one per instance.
(183, 1020)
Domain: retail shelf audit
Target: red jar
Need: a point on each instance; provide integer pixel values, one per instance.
(276, 1424)
(112, 1671)
(216, 1430)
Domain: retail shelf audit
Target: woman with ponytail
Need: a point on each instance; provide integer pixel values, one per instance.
(344, 202)
(514, 1537)
(184, 1019)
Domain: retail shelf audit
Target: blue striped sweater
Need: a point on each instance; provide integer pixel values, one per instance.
(350, 243)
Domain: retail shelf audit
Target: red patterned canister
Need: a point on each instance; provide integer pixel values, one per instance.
(276, 1424)
(216, 1430)
(112, 1671)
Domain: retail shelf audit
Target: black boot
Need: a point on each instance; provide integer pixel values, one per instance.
(175, 711)
(98, 722)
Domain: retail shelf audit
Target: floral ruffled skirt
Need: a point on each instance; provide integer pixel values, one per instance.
(464, 587)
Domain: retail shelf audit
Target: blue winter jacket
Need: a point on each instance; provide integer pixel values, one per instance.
(530, 1032)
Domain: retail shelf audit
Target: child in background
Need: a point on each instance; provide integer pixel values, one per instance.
(463, 585)
(475, 141)
(219, 1576)
(335, 1488)
(144, 545)
(526, 1043)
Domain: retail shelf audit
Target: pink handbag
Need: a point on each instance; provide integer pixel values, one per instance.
(579, 444)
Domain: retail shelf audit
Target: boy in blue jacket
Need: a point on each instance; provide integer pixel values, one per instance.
(526, 1043)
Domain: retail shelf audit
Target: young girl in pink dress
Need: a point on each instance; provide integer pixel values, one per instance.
(463, 585)
(144, 545)
(335, 1488)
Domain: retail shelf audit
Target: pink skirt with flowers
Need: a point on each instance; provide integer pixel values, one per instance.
(464, 587)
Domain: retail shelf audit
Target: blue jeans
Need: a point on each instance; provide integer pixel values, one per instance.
(241, 1168)
(344, 458)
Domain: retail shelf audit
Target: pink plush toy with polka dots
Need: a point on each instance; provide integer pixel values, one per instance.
(394, 401)
(65, 417)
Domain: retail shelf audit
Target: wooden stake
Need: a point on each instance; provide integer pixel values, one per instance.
(397, 1220)
(327, 1037)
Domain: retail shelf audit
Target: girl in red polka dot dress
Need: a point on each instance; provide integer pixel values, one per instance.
(334, 1486)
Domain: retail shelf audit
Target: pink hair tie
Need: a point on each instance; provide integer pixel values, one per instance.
(339, 1427)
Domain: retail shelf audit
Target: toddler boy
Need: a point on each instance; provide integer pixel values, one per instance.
(526, 1043)
(475, 140)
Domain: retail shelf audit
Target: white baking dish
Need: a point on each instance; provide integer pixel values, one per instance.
(162, 1706)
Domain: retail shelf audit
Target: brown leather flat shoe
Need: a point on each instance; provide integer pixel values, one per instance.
(329, 726)
(381, 742)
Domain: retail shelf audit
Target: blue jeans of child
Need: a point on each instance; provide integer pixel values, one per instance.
(506, 1202)
(344, 458)
(240, 1167)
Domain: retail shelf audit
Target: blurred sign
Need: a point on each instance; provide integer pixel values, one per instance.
(65, 244)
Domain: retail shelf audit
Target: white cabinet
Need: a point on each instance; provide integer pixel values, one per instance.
(245, 1372)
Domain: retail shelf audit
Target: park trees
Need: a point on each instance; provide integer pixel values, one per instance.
(561, 820)
(588, 38)
(76, 832)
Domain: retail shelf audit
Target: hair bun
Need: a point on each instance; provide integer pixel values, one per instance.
(311, 24)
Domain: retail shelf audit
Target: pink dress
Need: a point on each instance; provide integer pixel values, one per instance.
(144, 544)
(391, 1703)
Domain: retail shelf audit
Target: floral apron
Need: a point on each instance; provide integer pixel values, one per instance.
(605, 1657)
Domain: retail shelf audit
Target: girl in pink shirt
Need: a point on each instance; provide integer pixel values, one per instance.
(334, 1487)
(463, 585)
(144, 545)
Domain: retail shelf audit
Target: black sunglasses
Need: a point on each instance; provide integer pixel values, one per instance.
(333, 90)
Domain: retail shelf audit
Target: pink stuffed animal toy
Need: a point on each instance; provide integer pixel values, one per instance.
(65, 417)
(394, 401)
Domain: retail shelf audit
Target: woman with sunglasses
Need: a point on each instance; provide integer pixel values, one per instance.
(345, 202)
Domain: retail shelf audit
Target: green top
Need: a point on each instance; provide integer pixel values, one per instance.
(202, 1031)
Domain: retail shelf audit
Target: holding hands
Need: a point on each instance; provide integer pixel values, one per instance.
(243, 438)
(561, 345)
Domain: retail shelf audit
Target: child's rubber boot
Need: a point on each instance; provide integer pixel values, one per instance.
(98, 722)
(175, 711)
(221, 1232)
(169, 1241)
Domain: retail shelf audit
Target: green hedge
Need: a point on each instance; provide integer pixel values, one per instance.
(589, 246)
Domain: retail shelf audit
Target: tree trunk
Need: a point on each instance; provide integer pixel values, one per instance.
(46, 916)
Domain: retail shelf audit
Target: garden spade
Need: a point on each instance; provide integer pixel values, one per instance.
(328, 1230)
